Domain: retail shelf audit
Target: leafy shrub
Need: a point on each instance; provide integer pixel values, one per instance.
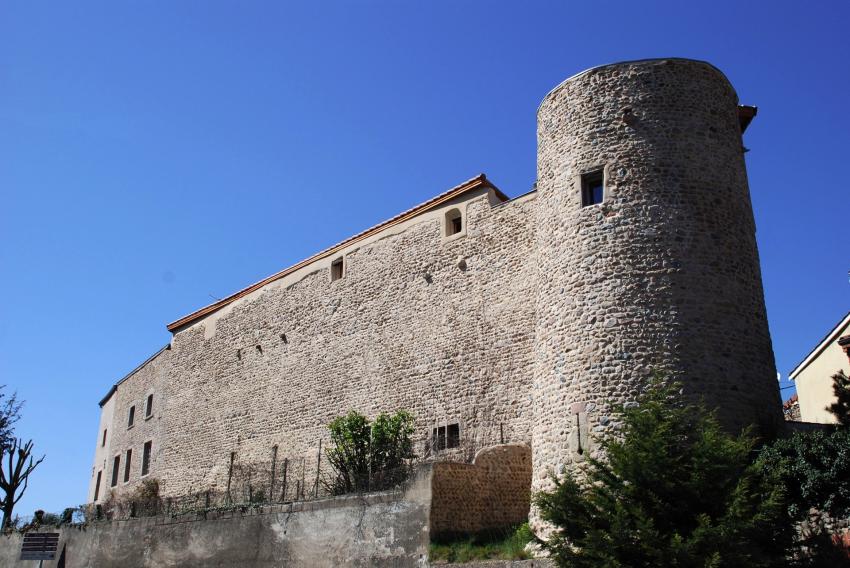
(674, 490)
(369, 456)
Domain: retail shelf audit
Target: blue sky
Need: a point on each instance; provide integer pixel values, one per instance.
(156, 155)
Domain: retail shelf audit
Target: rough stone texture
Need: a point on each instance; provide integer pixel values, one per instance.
(528, 327)
(663, 276)
(405, 328)
(149, 378)
(381, 529)
(492, 492)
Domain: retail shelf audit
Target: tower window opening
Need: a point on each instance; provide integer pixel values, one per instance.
(336, 269)
(592, 188)
(454, 222)
(149, 406)
(131, 416)
(103, 441)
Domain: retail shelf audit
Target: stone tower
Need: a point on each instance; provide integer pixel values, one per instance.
(646, 254)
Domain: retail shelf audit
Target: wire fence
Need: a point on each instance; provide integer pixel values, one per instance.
(279, 480)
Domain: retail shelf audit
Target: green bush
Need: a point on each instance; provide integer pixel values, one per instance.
(674, 490)
(369, 456)
(814, 467)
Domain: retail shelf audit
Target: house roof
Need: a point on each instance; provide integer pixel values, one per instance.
(477, 182)
(824, 343)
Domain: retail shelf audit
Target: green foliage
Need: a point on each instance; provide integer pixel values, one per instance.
(10, 413)
(674, 490)
(815, 467)
(369, 456)
(503, 545)
(841, 407)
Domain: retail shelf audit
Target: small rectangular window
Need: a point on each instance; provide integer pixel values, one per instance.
(97, 487)
(592, 188)
(445, 437)
(131, 417)
(453, 436)
(438, 438)
(103, 442)
(149, 406)
(127, 461)
(336, 269)
(116, 465)
(146, 458)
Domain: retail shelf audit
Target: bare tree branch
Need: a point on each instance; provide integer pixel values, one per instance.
(15, 480)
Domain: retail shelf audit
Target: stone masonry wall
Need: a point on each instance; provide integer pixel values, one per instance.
(409, 326)
(663, 275)
(491, 493)
(527, 328)
(150, 378)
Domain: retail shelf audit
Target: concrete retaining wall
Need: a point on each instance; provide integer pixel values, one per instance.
(387, 529)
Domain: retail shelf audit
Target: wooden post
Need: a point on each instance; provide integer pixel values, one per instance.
(274, 468)
(302, 477)
(230, 476)
(318, 470)
(285, 467)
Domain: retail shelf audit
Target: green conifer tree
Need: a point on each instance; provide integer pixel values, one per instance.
(673, 489)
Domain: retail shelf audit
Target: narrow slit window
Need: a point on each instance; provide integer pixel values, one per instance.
(131, 416)
(146, 458)
(127, 460)
(592, 188)
(454, 222)
(97, 486)
(149, 406)
(336, 269)
(116, 465)
(103, 441)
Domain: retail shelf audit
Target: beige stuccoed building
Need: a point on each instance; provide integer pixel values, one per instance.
(813, 376)
(518, 322)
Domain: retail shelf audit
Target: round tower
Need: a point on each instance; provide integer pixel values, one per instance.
(646, 254)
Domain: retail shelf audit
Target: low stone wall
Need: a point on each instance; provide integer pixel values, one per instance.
(492, 492)
(388, 529)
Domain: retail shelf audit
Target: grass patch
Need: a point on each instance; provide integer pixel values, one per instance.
(506, 544)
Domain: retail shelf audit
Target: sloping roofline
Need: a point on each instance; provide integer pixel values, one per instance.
(131, 373)
(824, 343)
(477, 182)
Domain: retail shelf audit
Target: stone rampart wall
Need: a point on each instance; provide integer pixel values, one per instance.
(491, 493)
(442, 328)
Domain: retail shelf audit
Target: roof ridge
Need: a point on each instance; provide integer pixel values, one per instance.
(478, 181)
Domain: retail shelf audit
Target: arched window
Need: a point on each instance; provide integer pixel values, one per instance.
(454, 222)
